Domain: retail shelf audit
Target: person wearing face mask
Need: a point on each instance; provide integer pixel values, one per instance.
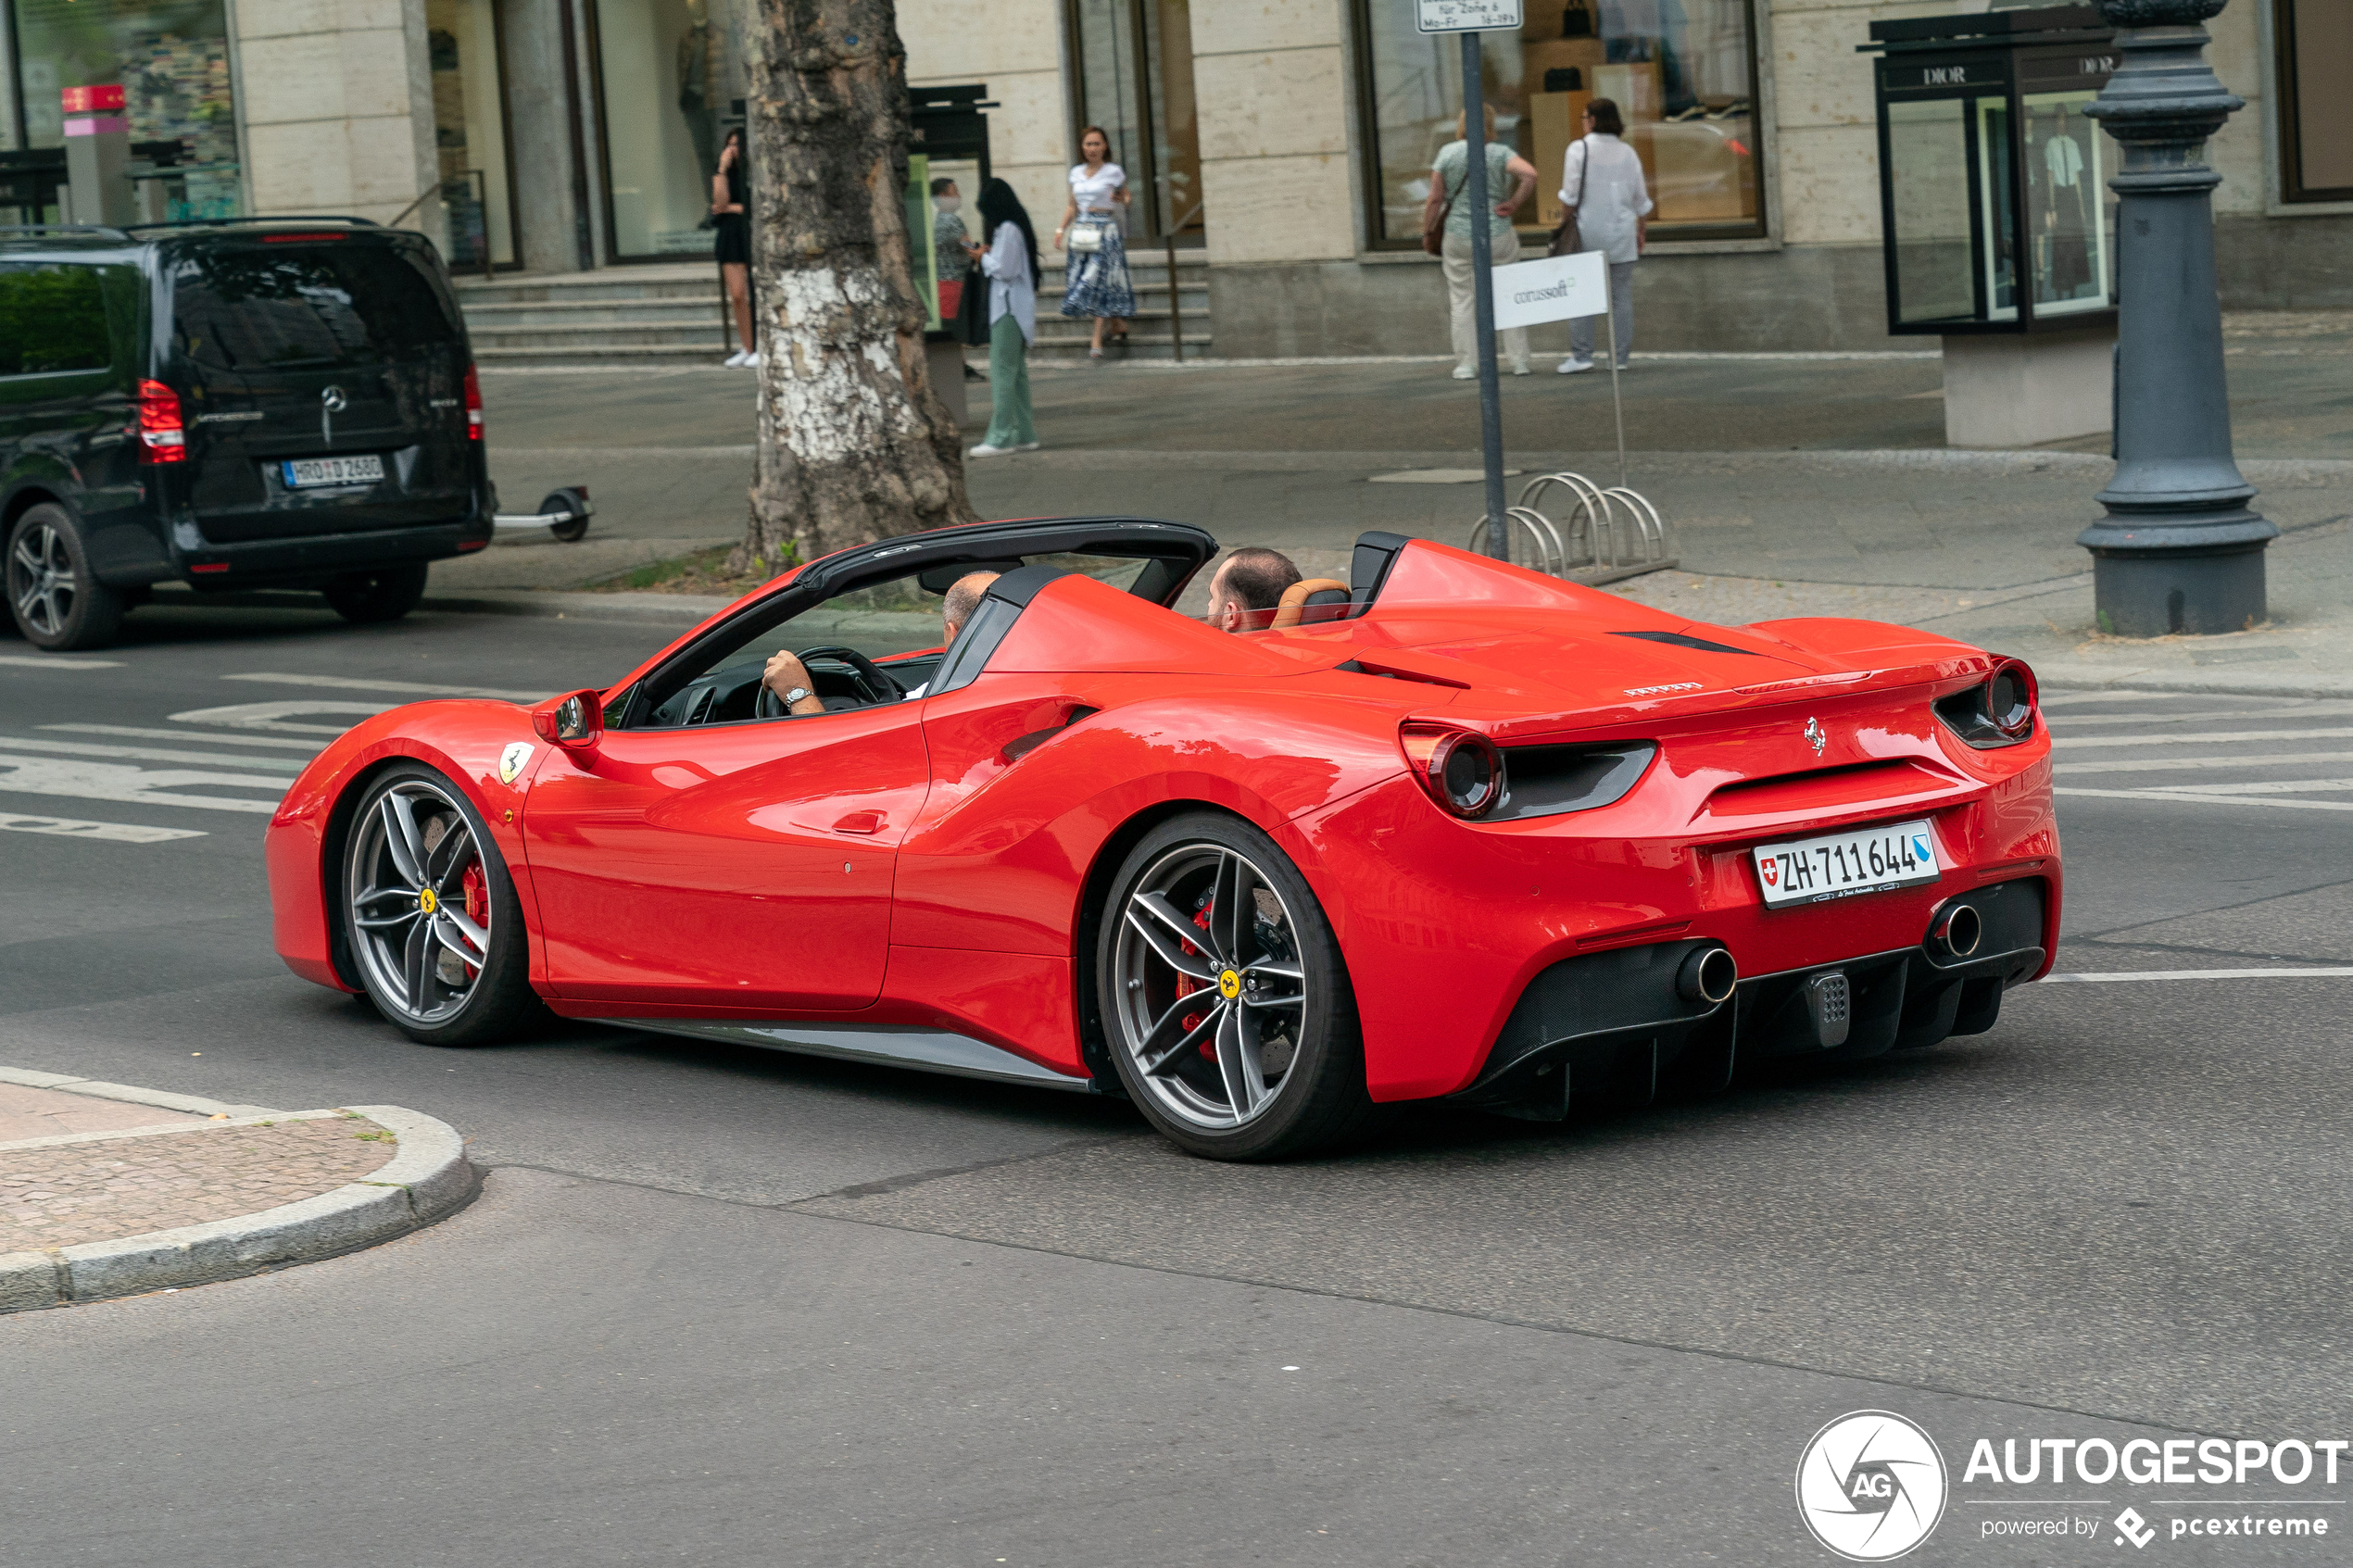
(949, 237)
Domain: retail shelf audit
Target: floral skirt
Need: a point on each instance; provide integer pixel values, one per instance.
(1097, 282)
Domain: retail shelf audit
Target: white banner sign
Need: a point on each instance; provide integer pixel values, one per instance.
(1554, 288)
(1466, 16)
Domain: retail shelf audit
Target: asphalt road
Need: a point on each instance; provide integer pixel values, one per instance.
(719, 1306)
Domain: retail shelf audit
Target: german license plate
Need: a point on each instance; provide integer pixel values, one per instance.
(304, 472)
(1844, 864)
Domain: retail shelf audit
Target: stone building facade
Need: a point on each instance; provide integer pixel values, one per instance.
(1287, 141)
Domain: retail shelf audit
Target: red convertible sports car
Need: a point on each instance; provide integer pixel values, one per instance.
(1451, 830)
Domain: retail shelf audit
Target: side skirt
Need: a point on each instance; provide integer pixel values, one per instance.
(930, 1050)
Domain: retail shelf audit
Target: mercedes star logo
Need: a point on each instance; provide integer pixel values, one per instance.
(333, 400)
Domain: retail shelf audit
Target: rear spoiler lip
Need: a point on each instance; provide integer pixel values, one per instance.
(1640, 716)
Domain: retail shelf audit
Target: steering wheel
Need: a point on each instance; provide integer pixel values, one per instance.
(879, 684)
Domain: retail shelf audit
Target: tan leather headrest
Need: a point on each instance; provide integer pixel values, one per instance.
(1294, 601)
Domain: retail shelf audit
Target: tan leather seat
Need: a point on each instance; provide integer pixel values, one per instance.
(1309, 600)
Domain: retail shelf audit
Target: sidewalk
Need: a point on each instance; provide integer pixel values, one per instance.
(108, 1190)
(1791, 485)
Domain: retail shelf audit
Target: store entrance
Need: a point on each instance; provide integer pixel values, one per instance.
(1136, 81)
(667, 71)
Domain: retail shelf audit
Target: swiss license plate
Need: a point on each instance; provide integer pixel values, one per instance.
(304, 472)
(1844, 864)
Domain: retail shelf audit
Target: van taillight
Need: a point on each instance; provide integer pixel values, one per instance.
(473, 405)
(162, 438)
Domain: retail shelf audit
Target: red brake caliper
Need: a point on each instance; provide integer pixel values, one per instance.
(1187, 985)
(478, 901)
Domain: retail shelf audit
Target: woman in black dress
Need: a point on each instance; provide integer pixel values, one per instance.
(727, 197)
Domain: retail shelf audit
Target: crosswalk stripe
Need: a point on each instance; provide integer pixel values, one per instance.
(2211, 799)
(353, 683)
(275, 716)
(2201, 974)
(114, 781)
(2306, 710)
(74, 827)
(148, 754)
(2176, 764)
(45, 661)
(2254, 786)
(2211, 738)
(134, 732)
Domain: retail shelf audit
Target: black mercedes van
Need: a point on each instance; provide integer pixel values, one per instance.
(258, 404)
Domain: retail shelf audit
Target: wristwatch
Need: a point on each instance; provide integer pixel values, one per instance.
(795, 695)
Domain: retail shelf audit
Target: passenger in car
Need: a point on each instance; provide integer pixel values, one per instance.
(785, 674)
(1247, 588)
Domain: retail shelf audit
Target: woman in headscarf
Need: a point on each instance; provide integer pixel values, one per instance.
(1008, 261)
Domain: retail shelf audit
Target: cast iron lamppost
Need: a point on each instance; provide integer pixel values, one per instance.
(2179, 550)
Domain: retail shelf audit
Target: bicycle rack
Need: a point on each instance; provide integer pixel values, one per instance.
(1606, 534)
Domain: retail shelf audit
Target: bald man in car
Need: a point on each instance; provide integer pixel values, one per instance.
(788, 678)
(1248, 584)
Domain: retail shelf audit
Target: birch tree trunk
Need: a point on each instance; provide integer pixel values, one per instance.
(854, 445)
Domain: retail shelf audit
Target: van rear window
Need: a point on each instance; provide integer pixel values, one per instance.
(289, 308)
(52, 317)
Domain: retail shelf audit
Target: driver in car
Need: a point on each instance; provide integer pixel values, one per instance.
(1248, 584)
(788, 678)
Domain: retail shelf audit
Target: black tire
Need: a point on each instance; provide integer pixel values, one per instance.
(1317, 1096)
(497, 1002)
(384, 592)
(56, 602)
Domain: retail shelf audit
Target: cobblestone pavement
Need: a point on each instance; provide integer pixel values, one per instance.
(46, 1113)
(97, 1189)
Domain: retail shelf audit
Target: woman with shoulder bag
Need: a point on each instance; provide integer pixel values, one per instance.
(1010, 263)
(1446, 232)
(1095, 282)
(1605, 206)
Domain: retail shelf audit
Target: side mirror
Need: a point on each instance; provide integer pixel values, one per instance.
(575, 722)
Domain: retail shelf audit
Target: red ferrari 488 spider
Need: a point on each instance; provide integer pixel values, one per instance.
(1452, 829)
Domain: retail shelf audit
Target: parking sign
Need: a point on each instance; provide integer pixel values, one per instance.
(1466, 16)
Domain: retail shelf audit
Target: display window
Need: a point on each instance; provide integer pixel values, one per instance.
(171, 60)
(1135, 61)
(1682, 73)
(470, 131)
(667, 74)
(2314, 44)
(1994, 190)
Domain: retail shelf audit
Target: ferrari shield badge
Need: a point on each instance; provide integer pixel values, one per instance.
(511, 760)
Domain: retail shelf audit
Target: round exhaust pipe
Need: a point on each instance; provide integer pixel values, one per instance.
(1707, 975)
(1955, 930)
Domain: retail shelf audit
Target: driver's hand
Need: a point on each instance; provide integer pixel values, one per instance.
(785, 671)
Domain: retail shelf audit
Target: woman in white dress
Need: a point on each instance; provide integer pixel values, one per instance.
(1095, 283)
(1603, 188)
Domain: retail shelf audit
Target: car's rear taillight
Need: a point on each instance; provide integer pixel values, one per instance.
(1462, 770)
(162, 437)
(2010, 698)
(473, 405)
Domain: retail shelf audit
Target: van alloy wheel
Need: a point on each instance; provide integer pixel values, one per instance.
(42, 583)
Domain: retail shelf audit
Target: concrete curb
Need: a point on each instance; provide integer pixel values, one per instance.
(427, 1180)
(98, 1089)
(2079, 676)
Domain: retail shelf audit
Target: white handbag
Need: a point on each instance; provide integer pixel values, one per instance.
(1085, 237)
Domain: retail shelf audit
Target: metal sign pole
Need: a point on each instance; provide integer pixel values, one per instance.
(1482, 201)
(1618, 404)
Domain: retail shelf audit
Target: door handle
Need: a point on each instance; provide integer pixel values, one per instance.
(861, 822)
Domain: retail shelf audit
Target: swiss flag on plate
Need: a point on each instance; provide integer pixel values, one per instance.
(1772, 870)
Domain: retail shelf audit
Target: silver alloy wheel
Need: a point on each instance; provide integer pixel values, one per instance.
(406, 879)
(41, 577)
(1211, 1000)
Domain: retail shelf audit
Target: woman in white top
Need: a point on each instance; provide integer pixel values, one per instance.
(1603, 188)
(1096, 281)
(1010, 263)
